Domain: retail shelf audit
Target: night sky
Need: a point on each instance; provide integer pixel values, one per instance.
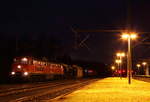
(29, 20)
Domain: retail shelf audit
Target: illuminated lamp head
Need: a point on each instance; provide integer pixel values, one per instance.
(131, 35)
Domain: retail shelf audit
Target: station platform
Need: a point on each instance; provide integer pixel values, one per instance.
(110, 89)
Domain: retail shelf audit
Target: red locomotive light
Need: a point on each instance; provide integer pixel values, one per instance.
(90, 71)
(119, 72)
(123, 71)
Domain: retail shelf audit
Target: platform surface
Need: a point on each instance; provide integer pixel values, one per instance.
(110, 89)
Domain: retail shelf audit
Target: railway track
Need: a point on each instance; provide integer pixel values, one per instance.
(9, 91)
(142, 78)
(42, 92)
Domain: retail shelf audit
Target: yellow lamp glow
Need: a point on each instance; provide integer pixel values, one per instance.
(129, 35)
(125, 35)
(133, 36)
(144, 63)
(121, 54)
(138, 65)
(118, 54)
(113, 67)
(118, 61)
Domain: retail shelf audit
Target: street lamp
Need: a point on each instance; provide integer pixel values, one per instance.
(118, 61)
(129, 36)
(145, 64)
(113, 69)
(120, 55)
(138, 66)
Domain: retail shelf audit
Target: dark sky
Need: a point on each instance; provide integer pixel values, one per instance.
(56, 17)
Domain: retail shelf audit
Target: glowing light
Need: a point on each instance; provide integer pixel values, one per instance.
(86, 70)
(19, 66)
(24, 59)
(26, 73)
(133, 36)
(138, 65)
(12, 73)
(118, 54)
(118, 61)
(122, 54)
(123, 71)
(119, 71)
(129, 35)
(90, 71)
(113, 67)
(125, 35)
(144, 63)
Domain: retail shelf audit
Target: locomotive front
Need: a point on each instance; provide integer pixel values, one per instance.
(20, 67)
(31, 69)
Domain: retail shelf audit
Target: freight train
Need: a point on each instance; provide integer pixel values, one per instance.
(30, 68)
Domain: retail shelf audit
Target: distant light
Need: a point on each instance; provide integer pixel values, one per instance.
(19, 66)
(123, 71)
(138, 65)
(62, 67)
(120, 54)
(125, 35)
(133, 36)
(113, 67)
(119, 71)
(24, 59)
(118, 61)
(26, 73)
(130, 35)
(12, 73)
(144, 63)
(86, 70)
(90, 71)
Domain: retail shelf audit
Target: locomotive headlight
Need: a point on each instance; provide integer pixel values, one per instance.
(19, 66)
(24, 59)
(12, 73)
(26, 73)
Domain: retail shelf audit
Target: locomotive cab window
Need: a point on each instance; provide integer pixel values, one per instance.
(24, 60)
(21, 60)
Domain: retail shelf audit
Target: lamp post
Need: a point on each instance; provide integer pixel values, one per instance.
(146, 68)
(129, 37)
(138, 66)
(113, 68)
(120, 55)
(118, 61)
